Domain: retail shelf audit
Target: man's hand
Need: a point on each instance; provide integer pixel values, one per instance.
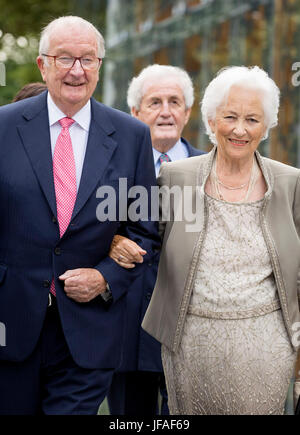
(84, 284)
(126, 252)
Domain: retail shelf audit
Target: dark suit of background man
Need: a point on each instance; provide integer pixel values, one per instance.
(162, 97)
(62, 298)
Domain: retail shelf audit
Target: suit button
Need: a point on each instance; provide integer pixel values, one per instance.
(148, 296)
(150, 264)
(57, 251)
(46, 283)
(54, 220)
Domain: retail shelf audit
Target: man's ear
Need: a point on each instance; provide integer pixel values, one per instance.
(41, 66)
(135, 112)
(187, 115)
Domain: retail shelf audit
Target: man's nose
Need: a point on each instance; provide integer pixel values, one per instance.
(77, 68)
(165, 109)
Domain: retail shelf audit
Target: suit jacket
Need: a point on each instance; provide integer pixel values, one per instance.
(280, 220)
(31, 251)
(141, 351)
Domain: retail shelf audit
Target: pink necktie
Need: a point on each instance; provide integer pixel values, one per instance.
(64, 172)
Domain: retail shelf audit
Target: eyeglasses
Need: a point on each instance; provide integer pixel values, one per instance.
(88, 63)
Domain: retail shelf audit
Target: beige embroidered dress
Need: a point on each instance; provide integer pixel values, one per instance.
(235, 356)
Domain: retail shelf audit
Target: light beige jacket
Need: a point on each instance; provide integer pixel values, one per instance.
(280, 222)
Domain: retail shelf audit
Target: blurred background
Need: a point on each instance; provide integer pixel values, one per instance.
(200, 36)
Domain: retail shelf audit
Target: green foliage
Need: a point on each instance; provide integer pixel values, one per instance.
(21, 17)
(17, 75)
(26, 18)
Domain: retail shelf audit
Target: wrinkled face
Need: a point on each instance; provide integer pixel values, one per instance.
(72, 88)
(163, 109)
(240, 123)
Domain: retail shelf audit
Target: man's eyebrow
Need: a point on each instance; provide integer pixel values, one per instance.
(87, 53)
(232, 112)
(154, 98)
(171, 97)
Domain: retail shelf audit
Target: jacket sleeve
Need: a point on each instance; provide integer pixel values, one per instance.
(143, 231)
(297, 381)
(297, 223)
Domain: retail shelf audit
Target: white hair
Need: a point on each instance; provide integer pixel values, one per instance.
(246, 77)
(71, 21)
(151, 73)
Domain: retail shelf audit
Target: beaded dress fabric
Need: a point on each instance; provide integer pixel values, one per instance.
(235, 356)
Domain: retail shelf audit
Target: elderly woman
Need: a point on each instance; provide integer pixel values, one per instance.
(226, 300)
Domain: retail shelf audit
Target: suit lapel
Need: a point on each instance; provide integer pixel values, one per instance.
(36, 140)
(35, 136)
(100, 148)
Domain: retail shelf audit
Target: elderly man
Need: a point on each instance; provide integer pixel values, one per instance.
(62, 299)
(160, 96)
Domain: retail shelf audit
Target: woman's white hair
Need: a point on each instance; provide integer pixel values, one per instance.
(246, 77)
(69, 20)
(156, 73)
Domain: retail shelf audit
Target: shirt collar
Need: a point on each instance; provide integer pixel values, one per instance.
(172, 152)
(82, 117)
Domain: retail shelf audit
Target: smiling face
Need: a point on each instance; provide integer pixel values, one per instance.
(239, 125)
(163, 109)
(70, 89)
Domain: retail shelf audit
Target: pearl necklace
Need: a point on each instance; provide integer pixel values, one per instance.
(231, 187)
(251, 183)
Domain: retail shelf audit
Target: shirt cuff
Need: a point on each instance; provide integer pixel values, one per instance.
(107, 295)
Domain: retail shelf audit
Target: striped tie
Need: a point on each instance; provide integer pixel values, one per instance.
(64, 172)
(164, 158)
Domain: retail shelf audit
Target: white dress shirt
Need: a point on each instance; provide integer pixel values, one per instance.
(79, 132)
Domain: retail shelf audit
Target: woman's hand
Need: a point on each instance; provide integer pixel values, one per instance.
(125, 252)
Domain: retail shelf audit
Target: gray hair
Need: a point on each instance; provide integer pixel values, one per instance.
(69, 21)
(157, 72)
(246, 77)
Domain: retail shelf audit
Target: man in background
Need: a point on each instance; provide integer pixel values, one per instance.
(162, 97)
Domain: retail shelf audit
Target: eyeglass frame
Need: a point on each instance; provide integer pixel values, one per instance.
(75, 58)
